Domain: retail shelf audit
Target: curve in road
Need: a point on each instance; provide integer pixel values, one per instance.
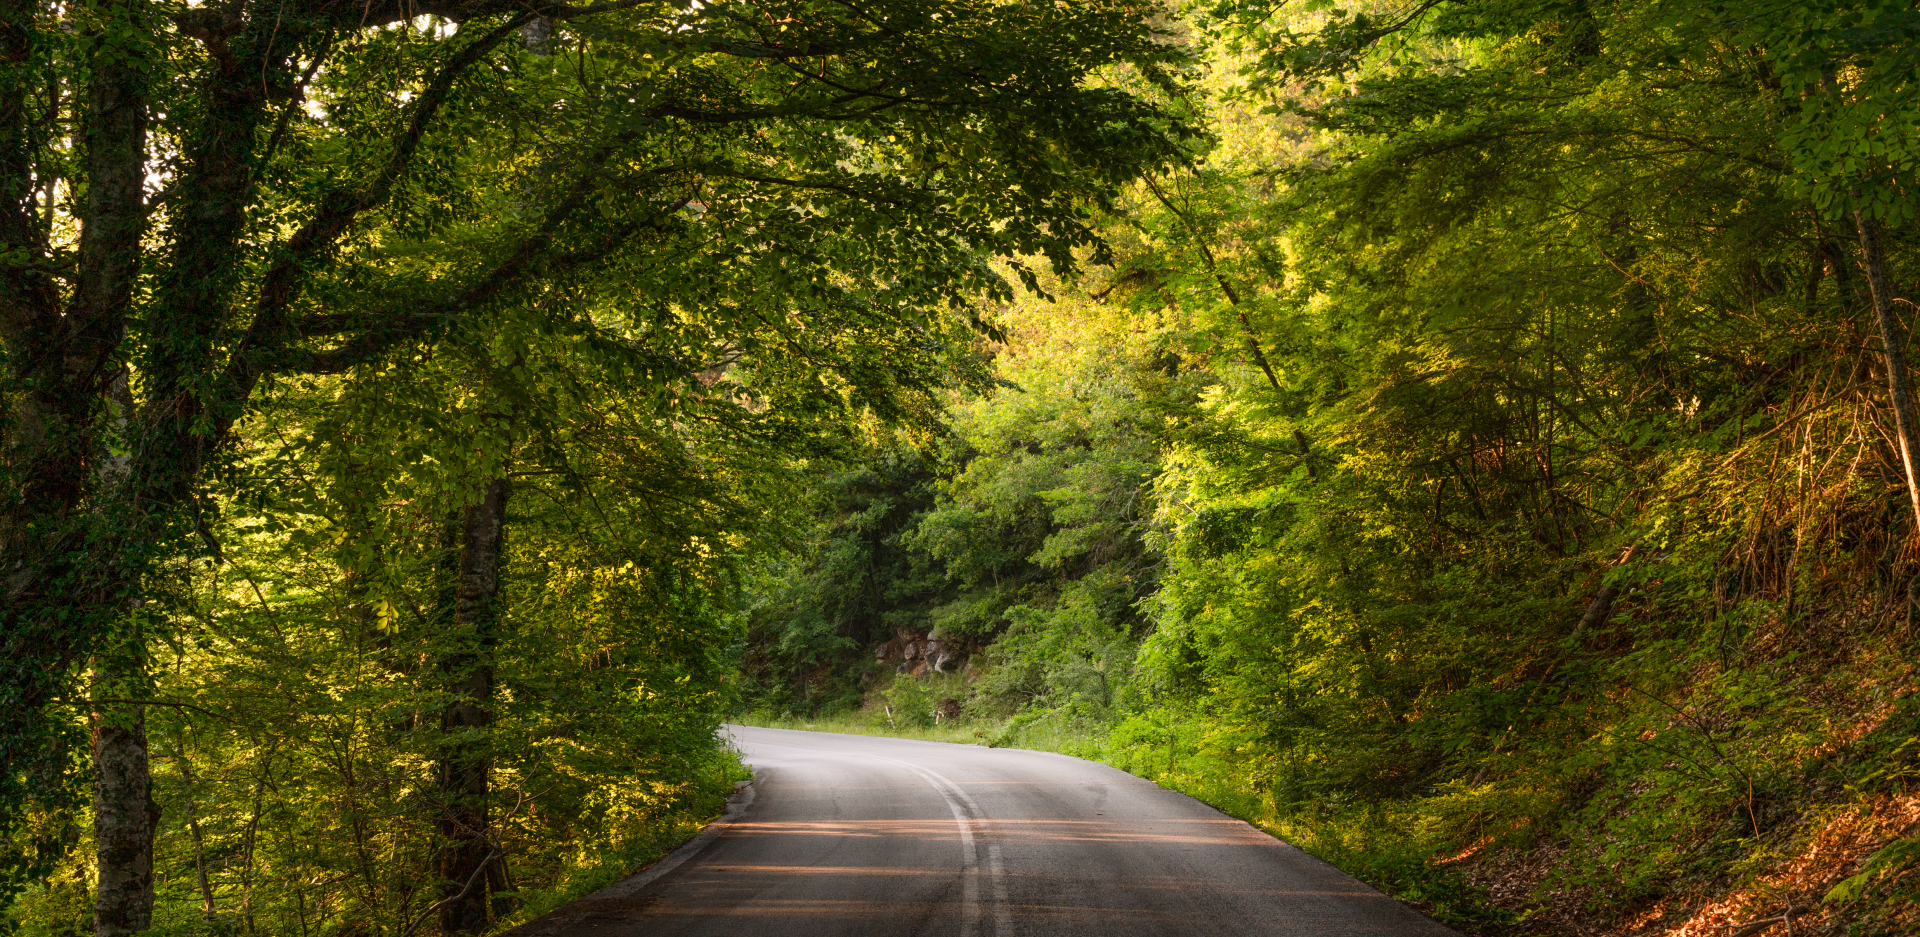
(855, 835)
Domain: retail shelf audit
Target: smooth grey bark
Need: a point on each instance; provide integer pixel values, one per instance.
(65, 354)
(1601, 608)
(124, 814)
(1306, 453)
(1893, 343)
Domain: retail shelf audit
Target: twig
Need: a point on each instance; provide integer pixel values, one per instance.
(168, 704)
(1754, 927)
(471, 881)
(1713, 745)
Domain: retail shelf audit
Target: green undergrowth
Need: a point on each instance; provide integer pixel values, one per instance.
(896, 708)
(1367, 841)
(650, 833)
(647, 842)
(855, 723)
(1658, 807)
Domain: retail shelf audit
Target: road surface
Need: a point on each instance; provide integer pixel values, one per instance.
(853, 835)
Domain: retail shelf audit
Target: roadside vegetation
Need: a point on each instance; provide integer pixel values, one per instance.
(396, 399)
(1474, 440)
(1484, 462)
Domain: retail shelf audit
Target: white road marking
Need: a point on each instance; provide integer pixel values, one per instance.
(1002, 910)
(966, 812)
(970, 859)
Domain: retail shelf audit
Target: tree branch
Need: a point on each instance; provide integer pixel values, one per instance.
(408, 326)
(339, 208)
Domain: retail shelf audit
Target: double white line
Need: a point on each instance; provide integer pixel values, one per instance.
(967, 815)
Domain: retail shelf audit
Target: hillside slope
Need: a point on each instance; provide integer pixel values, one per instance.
(1477, 464)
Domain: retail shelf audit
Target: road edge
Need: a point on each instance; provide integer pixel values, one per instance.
(1270, 834)
(737, 803)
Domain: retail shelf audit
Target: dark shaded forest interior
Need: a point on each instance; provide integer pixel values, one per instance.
(1473, 441)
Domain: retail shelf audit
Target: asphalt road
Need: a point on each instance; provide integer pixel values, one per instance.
(852, 835)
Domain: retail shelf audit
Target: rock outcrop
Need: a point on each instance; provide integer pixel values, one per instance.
(913, 653)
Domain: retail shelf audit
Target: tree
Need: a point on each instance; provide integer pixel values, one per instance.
(338, 183)
(1852, 144)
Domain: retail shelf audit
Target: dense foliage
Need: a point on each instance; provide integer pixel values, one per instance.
(1478, 462)
(1474, 439)
(394, 399)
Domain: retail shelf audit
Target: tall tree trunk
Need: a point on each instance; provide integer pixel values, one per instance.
(124, 814)
(1893, 341)
(469, 856)
(59, 359)
(472, 868)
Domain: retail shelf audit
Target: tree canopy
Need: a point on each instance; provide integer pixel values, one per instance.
(1487, 461)
(382, 314)
(1474, 440)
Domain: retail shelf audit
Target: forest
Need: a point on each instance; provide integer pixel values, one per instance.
(1472, 440)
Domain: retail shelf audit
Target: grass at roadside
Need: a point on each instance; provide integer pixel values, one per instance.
(647, 840)
(1847, 814)
(862, 723)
